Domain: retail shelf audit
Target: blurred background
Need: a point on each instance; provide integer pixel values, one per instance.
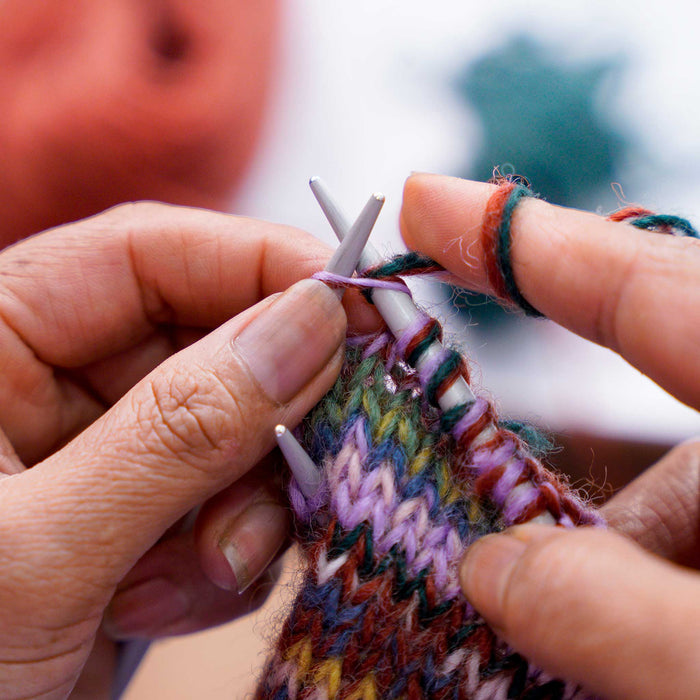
(597, 104)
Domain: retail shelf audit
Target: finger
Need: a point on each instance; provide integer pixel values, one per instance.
(118, 275)
(88, 292)
(590, 606)
(10, 463)
(661, 509)
(244, 528)
(192, 427)
(167, 593)
(633, 291)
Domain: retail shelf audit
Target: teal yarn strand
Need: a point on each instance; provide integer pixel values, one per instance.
(661, 221)
(505, 245)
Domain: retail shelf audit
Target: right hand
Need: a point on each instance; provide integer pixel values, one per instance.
(589, 605)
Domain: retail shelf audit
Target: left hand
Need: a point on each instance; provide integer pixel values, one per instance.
(131, 413)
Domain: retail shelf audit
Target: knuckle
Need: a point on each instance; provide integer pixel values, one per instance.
(190, 415)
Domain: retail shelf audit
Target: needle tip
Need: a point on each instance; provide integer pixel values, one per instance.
(379, 197)
(280, 430)
(313, 180)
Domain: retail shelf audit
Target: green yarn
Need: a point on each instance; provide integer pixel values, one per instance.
(655, 221)
(504, 250)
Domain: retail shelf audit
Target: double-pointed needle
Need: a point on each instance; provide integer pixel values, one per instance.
(396, 308)
(343, 262)
(399, 312)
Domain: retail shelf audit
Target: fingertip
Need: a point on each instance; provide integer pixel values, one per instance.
(441, 217)
(488, 566)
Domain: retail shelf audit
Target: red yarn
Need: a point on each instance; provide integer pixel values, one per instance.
(489, 238)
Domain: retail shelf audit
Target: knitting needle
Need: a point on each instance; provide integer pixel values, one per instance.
(396, 308)
(306, 473)
(343, 262)
(347, 255)
(399, 311)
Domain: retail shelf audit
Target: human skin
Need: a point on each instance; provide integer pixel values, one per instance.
(147, 356)
(617, 610)
(110, 101)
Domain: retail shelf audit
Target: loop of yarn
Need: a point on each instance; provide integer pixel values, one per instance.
(406, 488)
(496, 242)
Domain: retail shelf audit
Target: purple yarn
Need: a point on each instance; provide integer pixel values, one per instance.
(364, 282)
(486, 459)
(476, 410)
(508, 481)
(518, 501)
(413, 329)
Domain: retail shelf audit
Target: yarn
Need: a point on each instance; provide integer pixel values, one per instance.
(496, 238)
(406, 488)
(648, 220)
(496, 243)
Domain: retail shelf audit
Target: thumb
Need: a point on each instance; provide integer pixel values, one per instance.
(590, 606)
(193, 426)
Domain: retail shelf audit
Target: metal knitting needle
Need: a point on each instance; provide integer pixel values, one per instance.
(348, 253)
(305, 471)
(399, 311)
(343, 262)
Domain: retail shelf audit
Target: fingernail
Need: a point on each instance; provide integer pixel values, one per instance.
(145, 609)
(486, 570)
(252, 540)
(289, 343)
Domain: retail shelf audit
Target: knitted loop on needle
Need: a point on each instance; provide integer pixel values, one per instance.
(406, 488)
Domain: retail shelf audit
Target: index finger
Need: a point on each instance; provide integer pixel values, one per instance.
(88, 290)
(634, 291)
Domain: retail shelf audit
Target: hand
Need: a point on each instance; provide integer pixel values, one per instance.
(106, 101)
(131, 413)
(616, 611)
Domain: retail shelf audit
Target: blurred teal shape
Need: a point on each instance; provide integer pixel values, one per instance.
(543, 118)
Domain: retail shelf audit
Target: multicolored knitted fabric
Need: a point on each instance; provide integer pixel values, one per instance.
(406, 488)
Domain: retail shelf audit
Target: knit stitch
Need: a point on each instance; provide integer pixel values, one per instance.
(406, 488)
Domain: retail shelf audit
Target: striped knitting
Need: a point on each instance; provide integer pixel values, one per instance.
(406, 489)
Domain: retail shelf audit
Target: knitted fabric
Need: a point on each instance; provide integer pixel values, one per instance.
(406, 488)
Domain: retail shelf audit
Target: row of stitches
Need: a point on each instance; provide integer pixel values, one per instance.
(504, 470)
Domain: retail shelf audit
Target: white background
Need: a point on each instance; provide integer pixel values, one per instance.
(364, 97)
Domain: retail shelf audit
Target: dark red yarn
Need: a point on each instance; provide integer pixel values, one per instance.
(493, 215)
